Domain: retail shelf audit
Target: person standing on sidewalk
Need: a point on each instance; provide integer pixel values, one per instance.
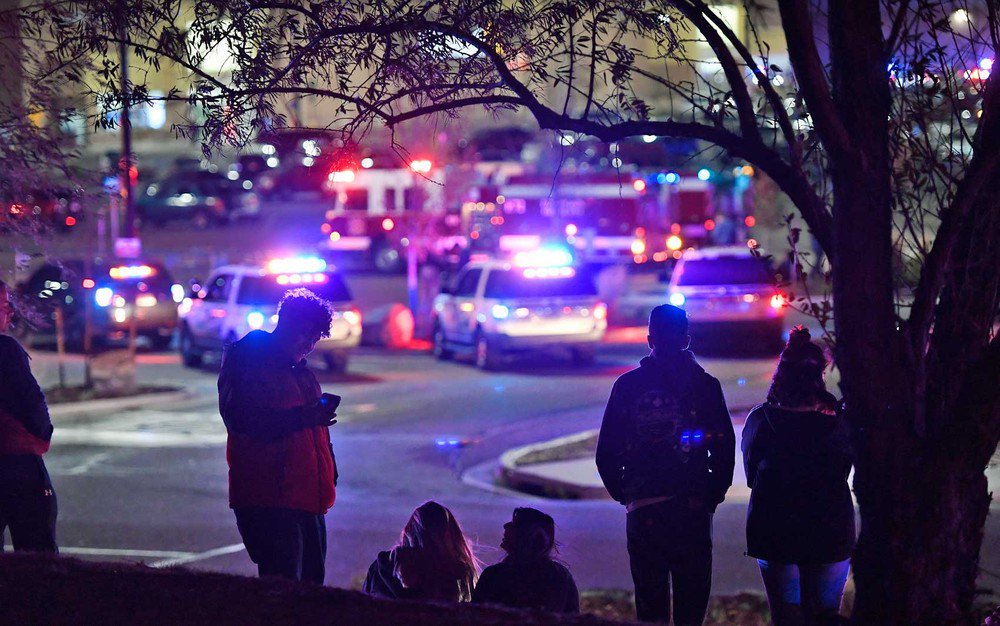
(27, 499)
(666, 451)
(797, 455)
(282, 471)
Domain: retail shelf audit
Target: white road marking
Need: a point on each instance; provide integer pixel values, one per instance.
(117, 438)
(88, 465)
(199, 556)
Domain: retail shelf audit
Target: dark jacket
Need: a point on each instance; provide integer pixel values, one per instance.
(406, 573)
(277, 458)
(800, 504)
(667, 432)
(537, 584)
(25, 427)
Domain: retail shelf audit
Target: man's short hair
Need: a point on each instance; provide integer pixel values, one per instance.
(307, 311)
(668, 324)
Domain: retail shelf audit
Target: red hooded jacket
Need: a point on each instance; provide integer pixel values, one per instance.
(276, 458)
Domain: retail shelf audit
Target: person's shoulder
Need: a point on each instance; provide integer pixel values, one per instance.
(758, 412)
(10, 346)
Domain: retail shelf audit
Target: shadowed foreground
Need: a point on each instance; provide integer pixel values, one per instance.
(42, 589)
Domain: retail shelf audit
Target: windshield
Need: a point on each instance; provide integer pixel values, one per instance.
(724, 271)
(513, 284)
(265, 290)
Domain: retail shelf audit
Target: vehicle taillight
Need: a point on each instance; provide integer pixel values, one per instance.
(353, 317)
(638, 246)
(388, 224)
(601, 311)
(70, 220)
(88, 283)
(778, 301)
(674, 242)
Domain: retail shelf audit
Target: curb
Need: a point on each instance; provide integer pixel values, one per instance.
(69, 409)
(520, 478)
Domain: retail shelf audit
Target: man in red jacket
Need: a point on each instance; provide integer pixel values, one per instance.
(282, 471)
(27, 500)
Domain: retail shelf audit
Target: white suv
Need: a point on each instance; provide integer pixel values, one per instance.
(728, 289)
(498, 307)
(239, 298)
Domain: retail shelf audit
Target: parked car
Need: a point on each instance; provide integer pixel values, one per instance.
(531, 303)
(111, 296)
(200, 196)
(239, 298)
(728, 290)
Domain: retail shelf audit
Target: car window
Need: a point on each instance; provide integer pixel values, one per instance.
(514, 283)
(218, 289)
(467, 283)
(724, 271)
(266, 291)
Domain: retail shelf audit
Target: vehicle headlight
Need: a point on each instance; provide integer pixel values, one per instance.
(677, 299)
(500, 311)
(255, 319)
(103, 296)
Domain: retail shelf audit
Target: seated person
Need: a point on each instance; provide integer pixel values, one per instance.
(528, 577)
(432, 561)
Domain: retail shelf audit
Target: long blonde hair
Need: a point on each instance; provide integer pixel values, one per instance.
(433, 529)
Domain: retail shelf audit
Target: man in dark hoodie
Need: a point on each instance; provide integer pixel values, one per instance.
(667, 451)
(27, 500)
(282, 472)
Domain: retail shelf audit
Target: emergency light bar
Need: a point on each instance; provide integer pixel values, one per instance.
(300, 279)
(131, 271)
(543, 257)
(296, 265)
(549, 272)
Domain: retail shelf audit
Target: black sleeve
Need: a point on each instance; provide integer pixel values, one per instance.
(20, 394)
(573, 599)
(611, 444)
(485, 593)
(749, 445)
(244, 412)
(721, 446)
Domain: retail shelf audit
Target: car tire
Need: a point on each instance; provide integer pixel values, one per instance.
(387, 259)
(190, 356)
(336, 361)
(159, 342)
(440, 345)
(584, 355)
(486, 355)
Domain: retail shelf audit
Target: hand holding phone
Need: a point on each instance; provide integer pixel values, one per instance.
(329, 401)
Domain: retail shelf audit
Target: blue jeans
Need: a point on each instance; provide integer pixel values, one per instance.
(804, 594)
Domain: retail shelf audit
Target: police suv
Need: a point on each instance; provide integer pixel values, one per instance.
(239, 298)
(535, 301)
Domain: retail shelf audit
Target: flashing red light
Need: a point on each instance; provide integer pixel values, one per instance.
(675, 229)
(750, 221)
(388, 224)
(601, 311)
(88, 283)
(133, 174)
(639, 185)
(70, 220)
(778, 301)
(422, 166)
(326, 228)
(709, 224)
(474, 234)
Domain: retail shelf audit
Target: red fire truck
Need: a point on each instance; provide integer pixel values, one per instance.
(378, 212)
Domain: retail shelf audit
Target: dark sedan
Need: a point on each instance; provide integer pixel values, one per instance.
(201, 197)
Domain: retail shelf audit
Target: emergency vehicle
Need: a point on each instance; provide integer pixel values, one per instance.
(537, 300)
(378, 212)
(239, 298)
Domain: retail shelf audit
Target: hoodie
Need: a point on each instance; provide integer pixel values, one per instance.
(409, 573)
(25, 427)
(666, 432)
(797, 463)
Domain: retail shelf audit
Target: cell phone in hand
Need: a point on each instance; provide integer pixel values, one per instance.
(329, 401)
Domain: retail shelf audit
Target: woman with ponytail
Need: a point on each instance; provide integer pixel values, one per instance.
(797, 457)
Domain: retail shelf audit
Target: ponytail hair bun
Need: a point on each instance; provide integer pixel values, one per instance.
(801, 351)
(799, 337)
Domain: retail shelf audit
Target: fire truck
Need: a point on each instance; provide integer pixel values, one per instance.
(378, 213)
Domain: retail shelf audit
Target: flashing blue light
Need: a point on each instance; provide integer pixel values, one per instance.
(677, 299)
(672, 178)
(255, 319)
(742, 382)
(544, 257)
(661, 178)
(500, 311)
(448, 442)
(103, 296)
(698, 436)
(704, 174)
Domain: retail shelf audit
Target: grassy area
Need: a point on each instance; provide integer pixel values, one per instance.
(80, 393)
(576, 449)
(744, 609)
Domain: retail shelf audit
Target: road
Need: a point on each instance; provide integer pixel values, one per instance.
(150, 484)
